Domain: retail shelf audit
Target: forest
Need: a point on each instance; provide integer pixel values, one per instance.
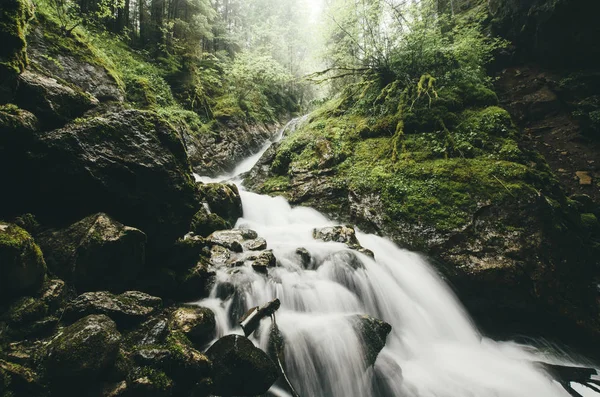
(285, 198)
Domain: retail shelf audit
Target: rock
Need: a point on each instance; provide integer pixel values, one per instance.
(176, 358)
(341, 234)
(84, 72)
(96, 253)
(26, 310)
(54, 293)
(258, 244)
(130, 164)
(373, 333)
(197, 323)
(127, 309)
(584, 177)
(348, 258)
(16, 124)
(205, 223)
(265, 260)
(52, 102)
(239, 368)
(18, 380)
(187, 286)
(14, 22)
(84, 350)
(223, 199)
(22, 265)
(187, 251)
(152, 332)
(214, 156)
(230, 239)
(305, 257)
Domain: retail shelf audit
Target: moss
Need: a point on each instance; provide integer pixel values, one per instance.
(203, 223)
(26, 310)
(590, 222)
(479, 95)
(159, 379)
(14, 21)
(276, 184)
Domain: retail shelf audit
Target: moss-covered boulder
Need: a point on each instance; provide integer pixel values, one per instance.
(129, 164)
(83, 351)
(223, 199)
(52, 102)
(127, 310)
(96, 253)
(240, 368)
(197, 323)
(205, 222)
(22, 265)
(14, 20)
(15, 123)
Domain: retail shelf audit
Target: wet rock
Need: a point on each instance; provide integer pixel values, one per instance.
(263, 261)
(130, 164)
(223, 200)
(230, 239)
(52, 102)
(191, 285)
(341, 234)
(16, 124)
(204, 223)
(225, 290)
(239, 368)
(22, 265)
(258, 244)
(84, 350)
(186, 252)
(219, 256)
(197, 323)
(348, 258)
(88, 76)
(177, 359)
(305, 257)
(96, 253)
(373, 333)
(127, 309)
(151, 332)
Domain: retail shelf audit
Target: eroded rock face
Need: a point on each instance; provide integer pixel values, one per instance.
(96, 253)
(130, 164)
(22, 265)
(83, 350)
(52, 102)
(240, 368)
(128, 309)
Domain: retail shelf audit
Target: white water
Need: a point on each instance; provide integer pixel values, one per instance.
(434, 350)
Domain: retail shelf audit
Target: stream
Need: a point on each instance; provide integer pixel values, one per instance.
(433, 350)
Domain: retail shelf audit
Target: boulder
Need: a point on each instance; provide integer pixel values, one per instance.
(54, 293)
(52, 102)
(204, 223)
(304, 257)
(25, 311)
(341, 234)
(14, 22)
(240, 368)
(265, 260)
(223, 199)
(151, 332)
(96, 253)
(130, 164)
(197, 323)
(257, 244)
(22, 265)
(84, 350)
(129, 308)
(16, 124)
(176, 358)
(18, 380)
(373, 333)
(230, 239)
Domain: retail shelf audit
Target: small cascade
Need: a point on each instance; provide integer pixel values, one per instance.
(433, 349)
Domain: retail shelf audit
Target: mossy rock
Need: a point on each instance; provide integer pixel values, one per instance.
(22, 265)
(205, 223)
(83, 351)
(16, 124)
(26, 310)
(14, 20)
(18, 380)
(197, 323)
(223, 199)
(96, 253)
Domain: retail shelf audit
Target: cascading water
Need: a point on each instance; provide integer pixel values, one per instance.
(433, 349)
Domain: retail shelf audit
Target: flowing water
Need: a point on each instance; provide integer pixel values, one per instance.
(433, 350)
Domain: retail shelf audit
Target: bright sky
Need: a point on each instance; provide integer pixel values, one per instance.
(315, 8)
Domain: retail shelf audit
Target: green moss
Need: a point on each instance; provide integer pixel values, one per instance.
(276, 184)
(590, 222)
(26, 310)
(14, 21)
(159, 379)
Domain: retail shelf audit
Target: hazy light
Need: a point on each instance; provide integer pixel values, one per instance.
(315, 7)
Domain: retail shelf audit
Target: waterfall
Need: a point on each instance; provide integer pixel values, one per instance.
(433, 350)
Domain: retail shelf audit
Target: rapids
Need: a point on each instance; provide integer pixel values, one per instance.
(433, 350)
